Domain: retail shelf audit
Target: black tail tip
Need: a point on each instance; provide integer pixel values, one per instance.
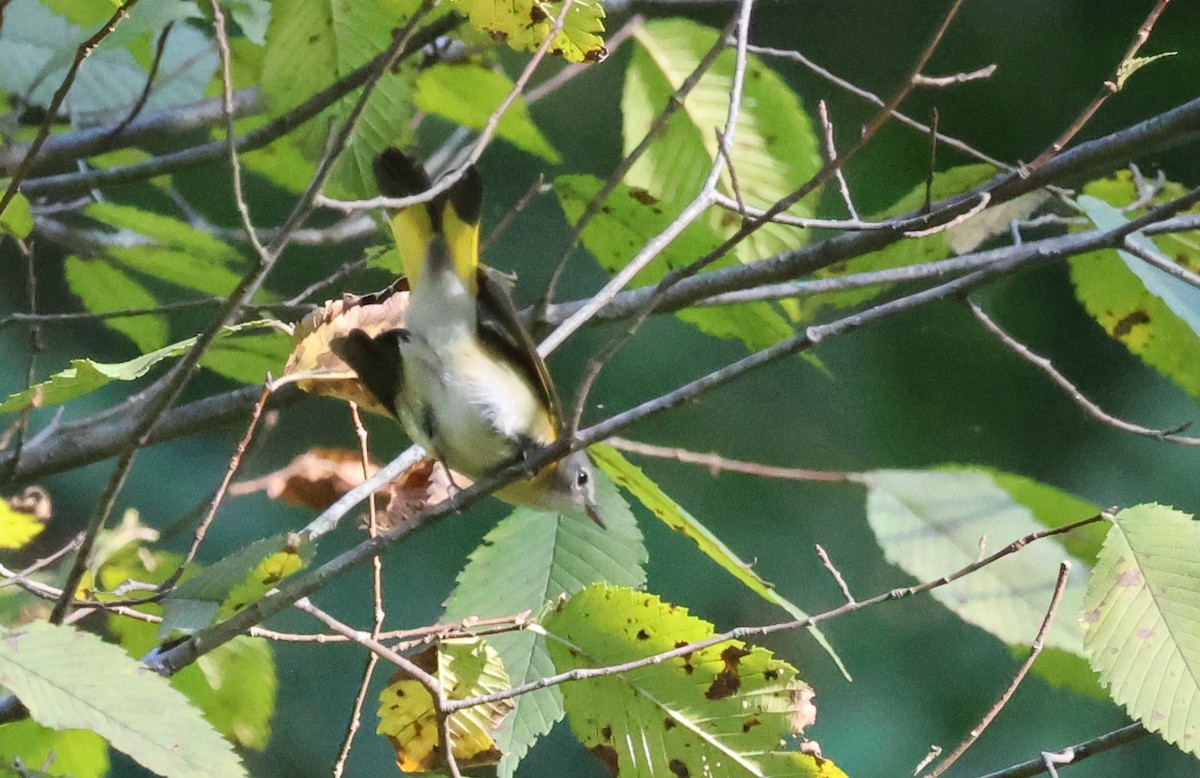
(399, 175)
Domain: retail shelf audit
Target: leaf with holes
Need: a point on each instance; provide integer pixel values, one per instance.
(1155, 315)
(524, 24)
(1143, 634)
(530, 559)
(677, 518)
(465, 668)
(717, 711)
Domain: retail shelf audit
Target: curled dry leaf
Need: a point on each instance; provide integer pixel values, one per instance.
(34, 501)
(426, 483)
(314, 366)
(314, 479)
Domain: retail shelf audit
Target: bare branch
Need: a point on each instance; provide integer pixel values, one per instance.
(1034, 650)
(1107, 89)
(1090, 408)
(717, 464)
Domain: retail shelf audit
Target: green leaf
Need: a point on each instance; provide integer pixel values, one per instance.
(167, 232)
(73, 680)
(716, 711)
(85, 376)
(249, 358)
(465, 668)
(524, 24)
(629, 218)
(253, 16)
(1133, 64)
(37, 47)
(234, 685)
(931, 523)
(774, 147)
(1155, 315)
(17, 219)
(468, 94)
(1052, 508)
(1143, 635)
(677, 518)
(103, 289)
(222, 589)
(528, 560)
(17, 528)
(75, 753)
(311, 44)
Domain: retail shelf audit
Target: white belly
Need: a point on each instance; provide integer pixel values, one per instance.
(465, 407)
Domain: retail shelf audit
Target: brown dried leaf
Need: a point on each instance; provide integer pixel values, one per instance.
(35, 501)
(426, 483)
(372, 313)
(314, 479)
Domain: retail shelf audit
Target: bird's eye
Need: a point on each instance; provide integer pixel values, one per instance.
(581, 478)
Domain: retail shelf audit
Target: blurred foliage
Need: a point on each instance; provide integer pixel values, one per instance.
(888, 407)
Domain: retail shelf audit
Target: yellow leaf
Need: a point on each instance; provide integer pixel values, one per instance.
(524, 24)
(465, 668)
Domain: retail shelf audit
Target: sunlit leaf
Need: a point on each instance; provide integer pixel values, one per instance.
(628, 219)
(17, 220)
(234, 685)
(774, 148)
(85, 375)
(72, 753)
(311, 44)
(1133, 64)
(73, 680)
(1154, 314)
(932, 523)
(524, 24)
(465, 668)
(715, 711)
(468, 94)
(528, 560)
(1143, 634)
(248, 359)
(671, 513)
(104, 289)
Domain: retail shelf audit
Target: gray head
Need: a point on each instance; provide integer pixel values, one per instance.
(574, 487)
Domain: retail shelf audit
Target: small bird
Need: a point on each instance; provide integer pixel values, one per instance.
(463, 375)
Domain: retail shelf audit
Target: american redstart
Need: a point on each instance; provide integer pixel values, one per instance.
(463, 375)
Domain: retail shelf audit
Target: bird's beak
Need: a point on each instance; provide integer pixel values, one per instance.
(594, 515)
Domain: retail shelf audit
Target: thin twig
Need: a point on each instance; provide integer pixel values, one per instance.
(875, 99)
(717, 464)
(1090, 408)
(159, 47)
(831, 155)
(82, 52)
(21, 577)
(956, 78)
(1109, 88)
(1035, 649)
(827, 563)
(235, 463)
(235, 165)
(339, 764)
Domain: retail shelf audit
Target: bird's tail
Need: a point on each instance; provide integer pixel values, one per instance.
(452, 216)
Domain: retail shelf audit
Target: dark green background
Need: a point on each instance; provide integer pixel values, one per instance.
(920, 390)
